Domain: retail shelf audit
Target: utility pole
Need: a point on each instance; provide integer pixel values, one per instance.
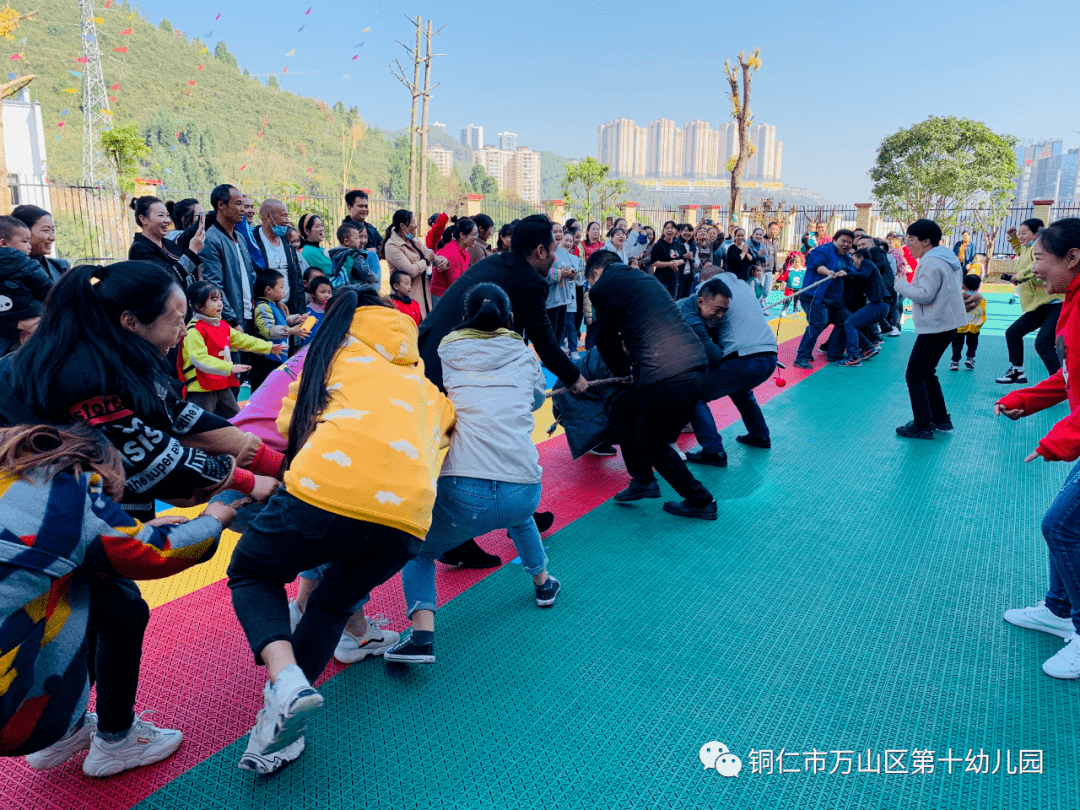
(422, 213)
(414, 89)
(97, 118)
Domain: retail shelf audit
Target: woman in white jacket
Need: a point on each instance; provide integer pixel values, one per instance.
(491, 476)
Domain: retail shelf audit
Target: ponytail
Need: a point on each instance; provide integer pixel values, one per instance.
(487, 308)
(312, 396)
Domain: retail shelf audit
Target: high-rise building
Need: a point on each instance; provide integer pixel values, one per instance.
(779, 154)
(524, 170)
(442, 157)
(615, 146)
(508, 141)
(641, 141)
(660, 151)
(699, 150)
(727, 146)
(472, 136)
(494, 162)
(680, 149)
(762, 163)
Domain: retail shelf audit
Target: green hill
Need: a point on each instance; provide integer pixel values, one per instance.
(206, 120)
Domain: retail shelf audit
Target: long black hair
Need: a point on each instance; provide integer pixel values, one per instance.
(304, 228)
(182, 213)
(487, 308)
(312, 398)
(82, 320)
(401, 217)
(461, 227)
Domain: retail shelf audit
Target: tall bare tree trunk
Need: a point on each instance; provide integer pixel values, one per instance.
(740, 108)
(412, 123)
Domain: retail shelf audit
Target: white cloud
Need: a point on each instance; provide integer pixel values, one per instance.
(339, 458)
(389, 497)
(406, 448)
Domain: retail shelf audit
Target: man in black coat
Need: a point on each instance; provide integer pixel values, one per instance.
(643, 332)
(522, 273)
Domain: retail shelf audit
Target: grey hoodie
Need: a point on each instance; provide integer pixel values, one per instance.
(495, 383)
(936, 292)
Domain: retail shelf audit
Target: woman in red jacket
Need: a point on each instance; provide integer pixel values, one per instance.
(455, 245)
(1057, 266)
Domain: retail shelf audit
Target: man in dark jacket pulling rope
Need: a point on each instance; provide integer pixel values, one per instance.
(643, 332)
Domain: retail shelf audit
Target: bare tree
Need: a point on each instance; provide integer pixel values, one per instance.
(414, 90)
(740, 111)
(422, 213)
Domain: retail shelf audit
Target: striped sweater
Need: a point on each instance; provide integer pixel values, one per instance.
(54, 537)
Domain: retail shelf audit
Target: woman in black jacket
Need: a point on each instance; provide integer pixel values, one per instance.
(42, 237)
(739, 256)
(152, 245)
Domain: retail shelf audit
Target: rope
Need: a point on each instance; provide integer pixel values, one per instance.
(591, 383)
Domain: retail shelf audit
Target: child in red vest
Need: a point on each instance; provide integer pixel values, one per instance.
(205, 362)
(401, 284)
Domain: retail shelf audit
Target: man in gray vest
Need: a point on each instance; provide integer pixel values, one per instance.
(727, 318)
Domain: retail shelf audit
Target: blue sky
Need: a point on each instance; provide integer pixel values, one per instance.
(834, 80)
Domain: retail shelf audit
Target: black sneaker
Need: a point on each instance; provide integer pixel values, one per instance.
(687, 509)
(1013, 376)
(546, 593)
(943, 427)
(712, 459)
(636, 491)
(803, 364)
(909, 431)
(469, 555)
(754, 441)
(603, 450)
(970, 363)
(407, 652)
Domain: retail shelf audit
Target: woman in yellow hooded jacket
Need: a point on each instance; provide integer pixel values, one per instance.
(365, 428)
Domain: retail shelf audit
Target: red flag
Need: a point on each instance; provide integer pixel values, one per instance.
(192, 83)
(16, 56)
(125, 32)
(266, 121)
(112, 98)
(82, 60)
(243, 167)
(59, 124)
(108, 3)
(115, 86)
(121, 49)
(200, 67)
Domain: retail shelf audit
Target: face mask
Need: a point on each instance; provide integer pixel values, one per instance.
(409, 235)
(280, 230)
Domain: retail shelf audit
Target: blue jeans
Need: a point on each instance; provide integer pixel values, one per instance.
(1061, 529)
(818, 316)
(736, 378)
(864, 316)
(470, 507)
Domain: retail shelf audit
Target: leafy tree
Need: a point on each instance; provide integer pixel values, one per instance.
(398, 183)
(166, 26)
(587, 191)
(939, 167)
(221, 52)
(124, 146)
(483, 183)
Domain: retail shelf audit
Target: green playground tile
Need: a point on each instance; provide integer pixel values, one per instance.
(850, 597)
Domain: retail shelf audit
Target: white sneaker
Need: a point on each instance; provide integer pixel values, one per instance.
(65, 748)
(295, 614)
(1065, 663)
(375, 641)
(263, 764)
(894, 332)
(144, 744)
(1039, 617)
(677, 449)
(288, 704)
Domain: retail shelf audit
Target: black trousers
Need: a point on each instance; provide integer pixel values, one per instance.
(1044, 319)
(118, 619)
(972, 340)
(557, 316)
(647, 420)
(924, 387)
(579, 316)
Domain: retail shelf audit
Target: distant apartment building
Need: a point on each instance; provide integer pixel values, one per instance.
(439, 125)
(472, 136)
(507, 141)
(516, 171)
(664, 151)
(442, 157)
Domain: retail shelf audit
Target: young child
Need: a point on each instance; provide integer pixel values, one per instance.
(351, 262)
(401, 284)
(23, 284)
(573, 337)
(56, 500)
(975, 307)
(309, 274)
(560, 286)
(319, 292)
(205, 361)
(793, 275)
(978, 265)
(292, 236)
(757, 280)
(272, 321)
